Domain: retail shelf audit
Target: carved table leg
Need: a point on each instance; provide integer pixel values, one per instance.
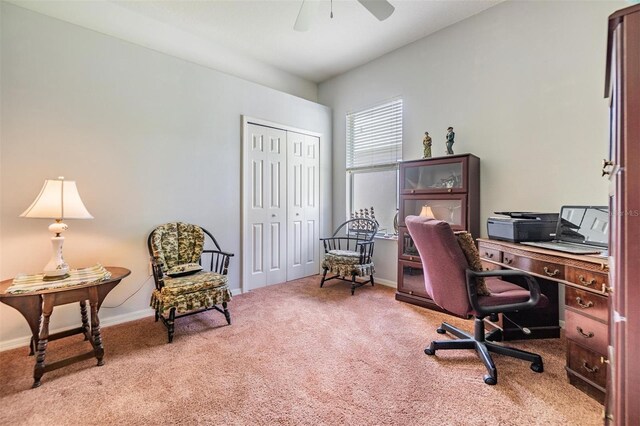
(98, 349)
(85, 320)
(43, 340)
(32, 345)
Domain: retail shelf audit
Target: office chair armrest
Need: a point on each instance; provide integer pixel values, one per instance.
(532, 284)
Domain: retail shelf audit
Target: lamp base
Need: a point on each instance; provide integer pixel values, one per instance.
(57, 268)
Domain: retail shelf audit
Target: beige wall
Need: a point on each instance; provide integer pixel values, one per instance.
(149, 139)
(522, 83)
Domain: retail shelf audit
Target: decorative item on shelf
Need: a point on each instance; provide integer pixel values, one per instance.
(395, 221)
(58, 199)
(426, 143)
(450, 140)
(363, 225)
(427, 212)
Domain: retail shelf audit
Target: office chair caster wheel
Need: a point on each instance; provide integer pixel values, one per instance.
(441, 330)
(490, 380)
(538, 368)
(430, 351)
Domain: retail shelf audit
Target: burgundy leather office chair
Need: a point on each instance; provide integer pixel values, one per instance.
(452, 285)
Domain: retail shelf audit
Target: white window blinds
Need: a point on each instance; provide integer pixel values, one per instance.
(374, 136)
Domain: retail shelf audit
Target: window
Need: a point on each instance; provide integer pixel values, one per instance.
(374, 147)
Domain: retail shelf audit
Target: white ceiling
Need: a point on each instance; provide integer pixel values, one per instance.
(259, 34)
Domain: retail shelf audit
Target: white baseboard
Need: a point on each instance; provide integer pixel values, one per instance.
(118, 319)
(236, 291)
(384, 282)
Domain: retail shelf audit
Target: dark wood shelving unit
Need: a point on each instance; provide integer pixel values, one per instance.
(451, 187)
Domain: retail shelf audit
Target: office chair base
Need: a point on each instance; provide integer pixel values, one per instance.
(482, 348)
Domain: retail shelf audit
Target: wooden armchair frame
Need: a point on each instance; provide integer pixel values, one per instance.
(218, 261)
(358, 238)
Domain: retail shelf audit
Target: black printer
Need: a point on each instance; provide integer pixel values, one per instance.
(522, 226)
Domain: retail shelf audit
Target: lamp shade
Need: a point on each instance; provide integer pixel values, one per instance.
(58, 199)
(427, 212)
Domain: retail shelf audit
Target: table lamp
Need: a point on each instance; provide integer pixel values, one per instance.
(59, 200)
(427, 212)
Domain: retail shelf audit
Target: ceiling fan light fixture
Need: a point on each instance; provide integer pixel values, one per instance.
(381, 9)
(308, 11)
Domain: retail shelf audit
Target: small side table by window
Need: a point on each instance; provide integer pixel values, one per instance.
(36, 307)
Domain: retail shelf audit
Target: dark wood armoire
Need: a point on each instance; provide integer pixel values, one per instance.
(623, 170)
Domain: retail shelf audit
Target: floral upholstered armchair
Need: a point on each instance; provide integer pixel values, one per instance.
(182, 286)
(348, 253)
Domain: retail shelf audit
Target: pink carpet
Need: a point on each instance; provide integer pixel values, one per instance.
(294, 354)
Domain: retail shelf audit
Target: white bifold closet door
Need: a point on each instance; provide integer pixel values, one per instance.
(302, 205)
(281, 203)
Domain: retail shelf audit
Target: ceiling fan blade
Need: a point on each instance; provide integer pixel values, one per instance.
(308, 11)
(381, 9)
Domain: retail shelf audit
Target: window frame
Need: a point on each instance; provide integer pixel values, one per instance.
(352, 172)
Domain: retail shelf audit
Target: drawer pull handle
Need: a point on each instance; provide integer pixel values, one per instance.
(508, 261)
(583, 305)
(603, 360)
(588, 335)
(551, 274)
(489, 255)
(583, 281)
(592, 370)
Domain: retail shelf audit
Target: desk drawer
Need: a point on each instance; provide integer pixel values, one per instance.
(587, 303)
(547, 269)
(490, 254)
(587, 279)
(488, 266)
(586, 363)
(589, 332)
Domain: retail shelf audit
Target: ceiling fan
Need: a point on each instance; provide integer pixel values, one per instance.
(381, 9)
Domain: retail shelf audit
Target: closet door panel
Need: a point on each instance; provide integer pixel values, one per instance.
(265, 206)
(296, 194)
(312, 204)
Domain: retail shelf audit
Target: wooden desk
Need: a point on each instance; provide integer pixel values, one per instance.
(36, 308)
(586, 282)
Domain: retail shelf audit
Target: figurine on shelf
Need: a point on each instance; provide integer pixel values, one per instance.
(426, 142)
(450, 136)
(363, 214)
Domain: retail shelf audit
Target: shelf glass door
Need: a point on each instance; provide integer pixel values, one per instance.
(445, 176)
(449, 208)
